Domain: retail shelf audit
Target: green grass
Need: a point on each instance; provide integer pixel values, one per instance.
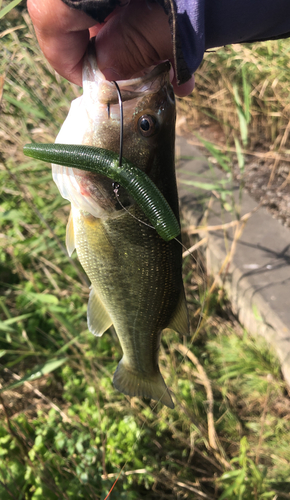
(64, 431)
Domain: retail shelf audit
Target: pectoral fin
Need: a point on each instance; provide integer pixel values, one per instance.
(137, 384)
(98, 319)
(70, 235)
(180, 321)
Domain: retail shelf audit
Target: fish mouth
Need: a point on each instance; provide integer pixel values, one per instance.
(130, 89)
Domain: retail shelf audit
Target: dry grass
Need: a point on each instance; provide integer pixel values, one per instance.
(243, 91)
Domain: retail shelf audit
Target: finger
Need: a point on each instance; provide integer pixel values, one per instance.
(134, 38)
(63, 35)
(184, 89)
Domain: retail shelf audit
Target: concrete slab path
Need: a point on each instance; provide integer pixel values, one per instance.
(257, 281)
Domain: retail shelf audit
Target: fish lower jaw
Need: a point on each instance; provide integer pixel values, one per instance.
(137, 384)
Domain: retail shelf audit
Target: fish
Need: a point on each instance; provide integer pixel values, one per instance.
(136, 276)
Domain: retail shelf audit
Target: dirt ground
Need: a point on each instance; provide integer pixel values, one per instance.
(273, 193)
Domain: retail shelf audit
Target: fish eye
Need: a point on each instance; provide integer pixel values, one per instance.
(147, 125)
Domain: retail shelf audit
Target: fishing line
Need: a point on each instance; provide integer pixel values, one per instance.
(193, 336)
(128, 211)
(192, 339)
(116, 188)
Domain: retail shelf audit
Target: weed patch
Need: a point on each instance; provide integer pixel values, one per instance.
(65, 432)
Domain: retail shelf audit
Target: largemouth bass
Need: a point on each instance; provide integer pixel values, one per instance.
(136, 281)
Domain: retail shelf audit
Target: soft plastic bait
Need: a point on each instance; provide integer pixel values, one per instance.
(102, 161)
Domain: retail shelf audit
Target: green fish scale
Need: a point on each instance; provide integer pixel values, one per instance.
(138, 282)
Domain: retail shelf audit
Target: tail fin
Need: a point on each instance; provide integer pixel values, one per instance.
(134, 384)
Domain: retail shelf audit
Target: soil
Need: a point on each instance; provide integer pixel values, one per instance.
(274, 194)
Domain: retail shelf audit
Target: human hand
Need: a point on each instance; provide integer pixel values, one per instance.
(134, 37)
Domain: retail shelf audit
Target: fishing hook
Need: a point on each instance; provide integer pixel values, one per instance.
(121, 121)
(115, 184)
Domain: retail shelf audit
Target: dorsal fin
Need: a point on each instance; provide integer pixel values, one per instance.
(98, 318)
(180, 320)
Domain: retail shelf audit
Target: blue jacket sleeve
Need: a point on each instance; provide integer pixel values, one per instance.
(205, 24)
(197, 25)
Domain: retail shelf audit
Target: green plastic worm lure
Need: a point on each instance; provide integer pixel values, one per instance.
(102, 161)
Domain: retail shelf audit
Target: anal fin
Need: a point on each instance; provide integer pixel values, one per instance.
(98, 318)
